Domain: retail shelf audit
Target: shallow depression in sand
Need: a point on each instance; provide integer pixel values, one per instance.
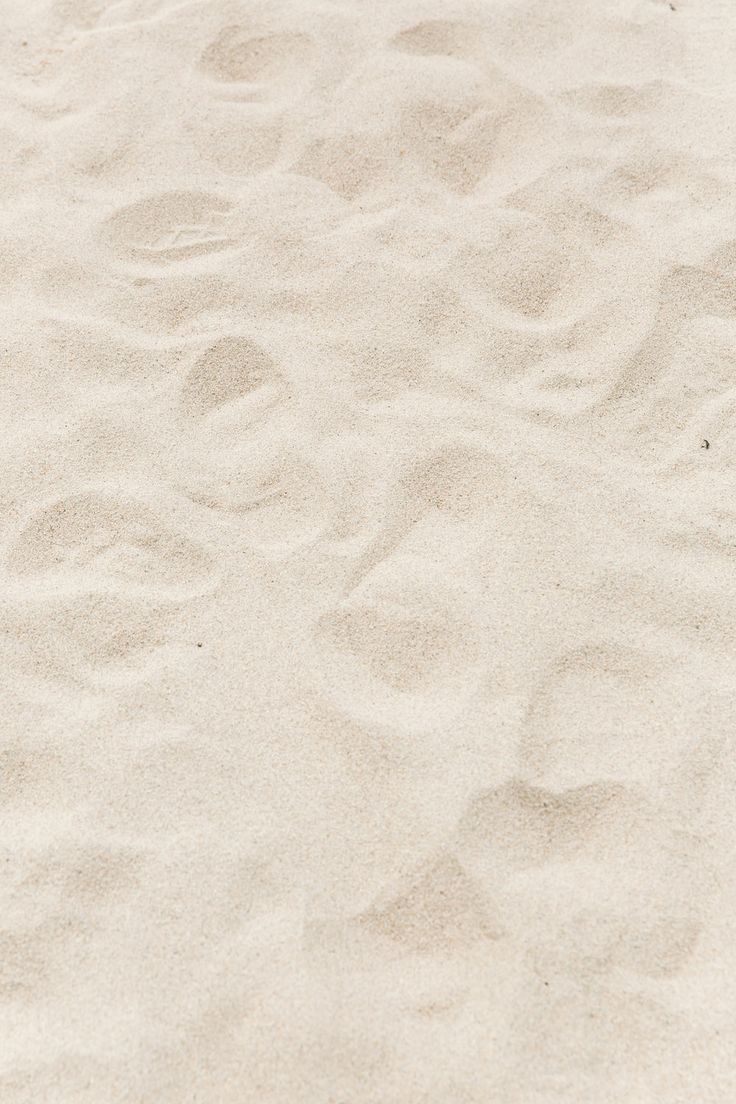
(397, 651)
(171, 226)
(239, 55)
(99, 535)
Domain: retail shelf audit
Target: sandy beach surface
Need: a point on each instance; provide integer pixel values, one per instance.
(367, 549)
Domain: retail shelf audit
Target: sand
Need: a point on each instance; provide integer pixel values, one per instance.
(367, 537)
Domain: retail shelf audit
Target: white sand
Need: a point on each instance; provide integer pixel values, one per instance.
(368, 597)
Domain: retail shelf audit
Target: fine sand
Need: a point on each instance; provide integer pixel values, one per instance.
(367, 552)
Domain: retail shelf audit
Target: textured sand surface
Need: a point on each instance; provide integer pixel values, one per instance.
(368, 606)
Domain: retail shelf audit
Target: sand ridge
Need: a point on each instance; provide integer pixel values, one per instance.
(366, 552)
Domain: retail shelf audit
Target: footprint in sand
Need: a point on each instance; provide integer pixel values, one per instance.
(529, 270)
(453, 481)
(349, 163)
(237, 55)
(107, 540)
(464, 131)
(259, 477)
(246, 451)
(170, 226)
(402, 649)
(598, 712)
(234, 369)
(441, 910)
(649, 941)
(617, 100)
(438, 38)
(240, 140)
(527, 825)
(89, 637)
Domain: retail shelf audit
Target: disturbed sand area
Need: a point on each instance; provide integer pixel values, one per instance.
(368, 611)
